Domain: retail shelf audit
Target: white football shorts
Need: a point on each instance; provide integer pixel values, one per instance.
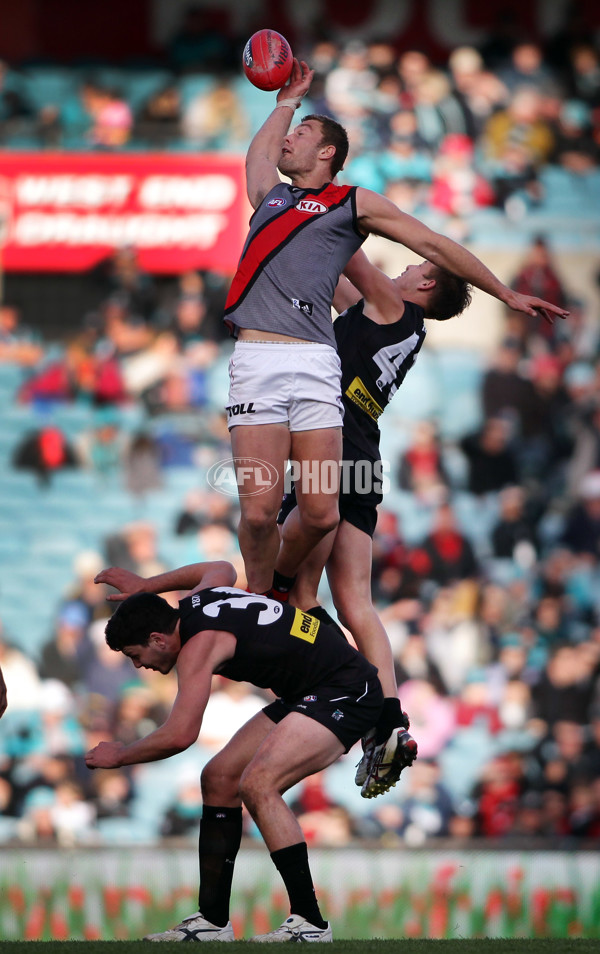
(279, 383)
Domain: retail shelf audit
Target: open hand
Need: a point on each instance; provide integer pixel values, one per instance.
(535, 306)
(125, 581)
(299, 82)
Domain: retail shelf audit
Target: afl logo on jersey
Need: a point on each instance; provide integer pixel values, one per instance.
(276, 202)
(311, 206)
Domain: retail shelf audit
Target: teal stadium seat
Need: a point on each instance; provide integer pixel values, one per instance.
(49, 85)
(458, 374)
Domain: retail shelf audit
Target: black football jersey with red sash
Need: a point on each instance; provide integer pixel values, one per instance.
(278, 647)
(375, 360)
(298, 244)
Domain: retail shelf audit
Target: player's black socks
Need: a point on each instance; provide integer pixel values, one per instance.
(392, 717)
(292, 865)
(280, 590)
(319, 612)
(220, 838)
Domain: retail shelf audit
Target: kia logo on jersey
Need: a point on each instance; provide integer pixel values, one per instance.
(311, 206)
(276, 202)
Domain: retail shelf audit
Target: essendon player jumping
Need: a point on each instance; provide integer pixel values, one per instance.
(301, 236)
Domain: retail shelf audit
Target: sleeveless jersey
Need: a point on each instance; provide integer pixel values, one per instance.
(278, 647)
(298, 244)
(375, 360)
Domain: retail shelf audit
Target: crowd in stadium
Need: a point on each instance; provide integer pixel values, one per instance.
(493, 609)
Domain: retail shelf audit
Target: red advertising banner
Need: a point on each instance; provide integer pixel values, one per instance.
(62, 212)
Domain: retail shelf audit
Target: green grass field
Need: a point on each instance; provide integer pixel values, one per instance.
(481, 946)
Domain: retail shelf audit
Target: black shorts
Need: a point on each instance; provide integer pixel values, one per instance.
(347, 712)
(359, 497)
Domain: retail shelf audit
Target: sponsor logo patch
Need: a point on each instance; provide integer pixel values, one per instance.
(274, 203)
(304, 626)
(358, 393)
(337, 715)
(310, 698)
(234, 409)
(304, 306)
(311, 207)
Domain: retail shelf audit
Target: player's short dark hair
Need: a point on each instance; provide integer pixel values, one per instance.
(332, 134)
(450, 296)
(137, 617)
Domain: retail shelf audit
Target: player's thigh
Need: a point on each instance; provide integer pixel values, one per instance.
(228, 765)
(349, 566)
(316, 459)
(297, 747)
(260, 454)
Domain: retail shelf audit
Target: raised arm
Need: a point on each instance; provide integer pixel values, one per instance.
(264, 151)
(194, 576)
(377, 214)
(362, 279)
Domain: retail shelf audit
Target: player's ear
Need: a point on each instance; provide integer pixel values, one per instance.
(427, 284)
(327, 152)
(156, 640)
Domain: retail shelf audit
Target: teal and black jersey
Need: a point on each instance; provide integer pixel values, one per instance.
(375, 360)
(278, 647)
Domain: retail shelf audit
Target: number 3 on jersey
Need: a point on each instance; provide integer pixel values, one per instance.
(305, 626)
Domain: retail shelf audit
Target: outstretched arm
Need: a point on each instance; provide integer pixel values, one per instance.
(377, 214)
(197, 661)
(195, 576)
(264, 151)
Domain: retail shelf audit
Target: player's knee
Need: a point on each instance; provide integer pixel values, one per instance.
(218, 782)
(258, 521)
(352, 612)
(322, 521)
(251, 786)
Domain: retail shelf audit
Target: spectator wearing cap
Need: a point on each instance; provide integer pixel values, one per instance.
(63, 655)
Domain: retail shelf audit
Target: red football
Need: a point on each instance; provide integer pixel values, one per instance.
(267, 60)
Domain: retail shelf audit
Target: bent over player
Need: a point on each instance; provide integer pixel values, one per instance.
(284, 370)
(329, 696)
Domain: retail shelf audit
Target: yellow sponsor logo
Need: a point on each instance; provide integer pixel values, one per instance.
(305, 626)
(358, 393)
